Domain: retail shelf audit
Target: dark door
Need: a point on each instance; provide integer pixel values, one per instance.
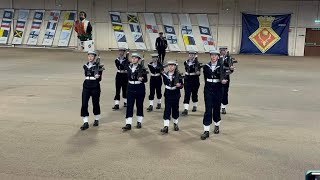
(312, 45)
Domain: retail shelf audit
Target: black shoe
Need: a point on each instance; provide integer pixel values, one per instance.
(139, 125)
(223, 111)
(150, 108)
(205, 135)
(185, 112)
(116, 107)
(194, 109)
(96, 123)
(127, 127)
(158, 106)
(175, 127)
(124, 104)
(84, 126)
(216, 130)
(165, 130)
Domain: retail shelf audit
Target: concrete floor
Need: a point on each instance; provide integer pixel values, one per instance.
(271, 130)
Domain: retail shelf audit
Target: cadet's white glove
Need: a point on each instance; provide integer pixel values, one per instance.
(224, 81)
(97, 76)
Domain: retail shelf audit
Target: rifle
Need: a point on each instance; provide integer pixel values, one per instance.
(222, 69)
(99, 67)
(177, 76)
(144, 70)
(230, 61)
(199, 65)
(127, 54)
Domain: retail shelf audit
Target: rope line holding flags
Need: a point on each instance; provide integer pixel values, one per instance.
(35, 27)
(5, 27)
(186, 32)
(205, 33)
(118, 30)
(136, 31)
(51, 28)
(20, 26)
(67, 28)
(170, 32)
(151, 29)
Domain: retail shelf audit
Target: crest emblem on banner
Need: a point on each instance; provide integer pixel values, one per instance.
(264, 37)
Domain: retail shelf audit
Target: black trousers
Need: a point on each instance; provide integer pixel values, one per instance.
(136, 94)
(161, 54)
(225, 99)
(212, 110)
(171, 108)
(121, 83)
(191, 88)
(86, 94)
(155, 86)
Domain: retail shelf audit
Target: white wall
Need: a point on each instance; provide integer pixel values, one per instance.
(224, 17)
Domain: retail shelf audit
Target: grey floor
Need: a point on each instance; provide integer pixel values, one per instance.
(271, 131)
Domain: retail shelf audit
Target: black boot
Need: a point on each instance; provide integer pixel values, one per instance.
(223, 111)
(150, 108)
(124, 104)
(175, 127)
(116, 107)
(185, 112)
(96, 123)
(216, 130)
(139, 125)
(165, 130)
(84, 126)
(158, 106)
(205, 135)
(194, 109)
(127, 127)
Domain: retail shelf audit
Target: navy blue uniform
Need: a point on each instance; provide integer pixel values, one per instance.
(191, 81)
(91, 88)
(225, 99)
(172, 96)
(155, 80)
(136, 90)
(121, 77)
(213, 91)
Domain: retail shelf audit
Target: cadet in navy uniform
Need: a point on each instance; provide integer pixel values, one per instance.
(161, 46)
(191, 82)
(155, 68)
(225, 99)
(91, 88)
(136, 91)
(172, 96)
(121, 79)
(214, 78)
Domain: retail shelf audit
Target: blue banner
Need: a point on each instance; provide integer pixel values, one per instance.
(265, 34)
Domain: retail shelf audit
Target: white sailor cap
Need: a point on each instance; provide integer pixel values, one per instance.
(92, 52)
(192, 52)
(214, 52)
(223, 48)
(136, 55)
(172, 62)
(122, 49)
(154, 55)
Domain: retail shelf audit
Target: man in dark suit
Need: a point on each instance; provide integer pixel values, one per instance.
(161, 46)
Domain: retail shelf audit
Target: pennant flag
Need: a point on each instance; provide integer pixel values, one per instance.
(70, 16)
(38, 15)
(186, 30)
(152, 29)
(169, 29)
(188, 40)
(138, 38)
(135, 28)
(132, 19)
(51, 25)
(34, 34)
(67, 25)
(204, 30)
(5, 24)
(7, 14)
(36, 25)
(21, 24)
(117, 27)
(18, 34)
(115, 18)
(207, 40)
(49, 35)
(4, 33)
(172, 39)
(264, 34)
(54, 16)
(120, 37)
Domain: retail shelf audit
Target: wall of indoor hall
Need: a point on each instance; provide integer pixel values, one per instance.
(224, 17)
